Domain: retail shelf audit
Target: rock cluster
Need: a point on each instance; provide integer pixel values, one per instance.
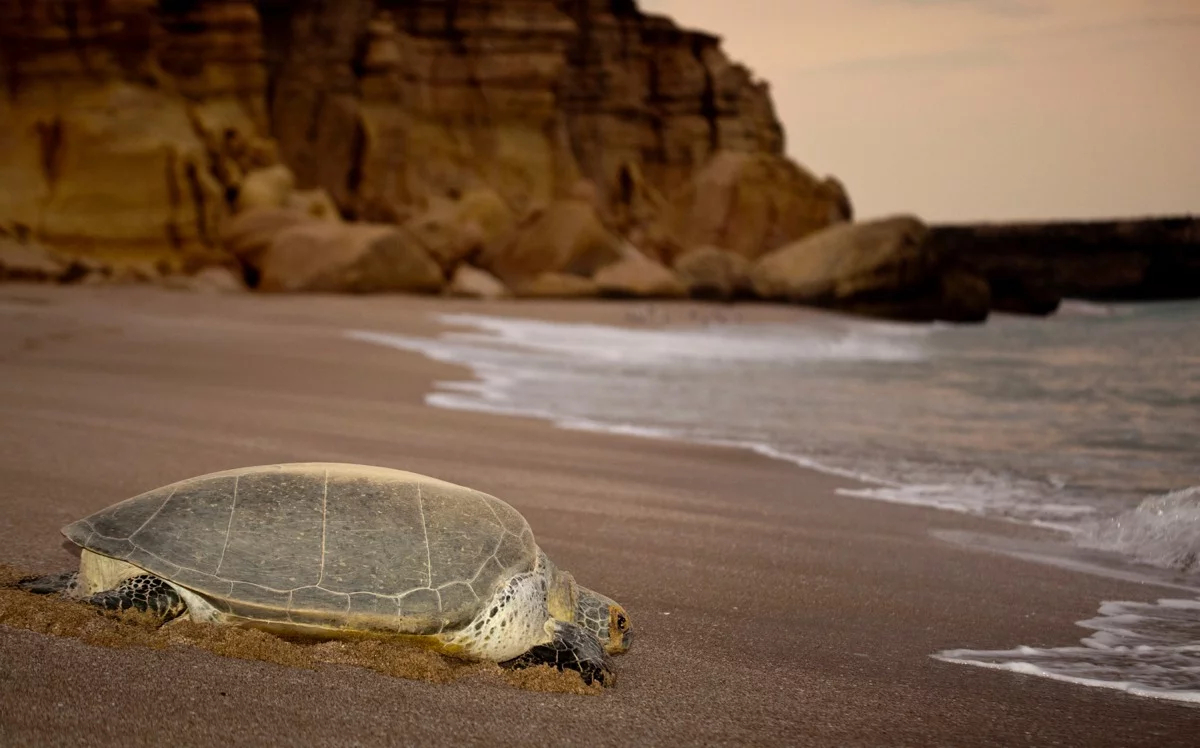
(538, 148)
(1031, 267)
(531, 140)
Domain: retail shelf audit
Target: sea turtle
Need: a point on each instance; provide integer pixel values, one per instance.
(331, 549)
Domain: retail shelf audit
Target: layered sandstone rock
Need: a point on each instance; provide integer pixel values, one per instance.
(348, 258)
(882, 267)
(392, 106)
(22, 261)
(141, 127)
(122, 119)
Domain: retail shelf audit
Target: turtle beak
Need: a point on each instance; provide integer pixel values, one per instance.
(626, 642)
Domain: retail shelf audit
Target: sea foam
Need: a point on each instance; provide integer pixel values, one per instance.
(1163, 531)
(1146, 649)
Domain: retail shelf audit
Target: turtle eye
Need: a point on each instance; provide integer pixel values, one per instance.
(621, 622)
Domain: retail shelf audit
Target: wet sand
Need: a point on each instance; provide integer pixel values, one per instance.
(768, 610)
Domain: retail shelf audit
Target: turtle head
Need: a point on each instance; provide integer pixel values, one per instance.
(569, 601)
(605, 618)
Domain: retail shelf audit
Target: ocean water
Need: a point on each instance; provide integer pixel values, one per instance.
(1085, 423)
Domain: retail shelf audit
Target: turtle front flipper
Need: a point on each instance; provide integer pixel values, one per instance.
(570, 647)
(146, 593)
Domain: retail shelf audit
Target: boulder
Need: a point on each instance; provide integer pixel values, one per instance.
(28, 262)
(966, 296)
(638, 277)
(565, 237)
(472, 283)
(1031, 266)
(455, 230)
(270, 187)
(713, 273)
(247, 235)
(752, 204)
(209, 280)
(119, 274)
(87, 270)
(348, 258)
(556, 286)
(314, 203)
(880, 268)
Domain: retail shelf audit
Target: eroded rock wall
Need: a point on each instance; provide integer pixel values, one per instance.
(126, 121)
(129, 124)
(394, 104)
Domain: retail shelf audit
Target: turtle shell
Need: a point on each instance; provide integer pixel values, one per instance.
(328, 544)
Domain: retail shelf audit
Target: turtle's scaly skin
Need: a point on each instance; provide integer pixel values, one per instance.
(146, 593)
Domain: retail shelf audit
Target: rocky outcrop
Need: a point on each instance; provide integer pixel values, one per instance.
(347, 258)
(712, 273)
(146, 128)
(566, 237)
(209, 280)
(313, 203)
(265, 188)
(455, 230)
(636, 276)
(1031, 267)
(472, 283)
(881, 268)
(249, 235)
(22, 261)
(556, 286)
(751, 204)
(126, 122)
(391, 106)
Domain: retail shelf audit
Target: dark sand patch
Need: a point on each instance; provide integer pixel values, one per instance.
(56, 616)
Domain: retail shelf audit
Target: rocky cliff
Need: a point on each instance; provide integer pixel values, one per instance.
(129, 125)
(1032, 267)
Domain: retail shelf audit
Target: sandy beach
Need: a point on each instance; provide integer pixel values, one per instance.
(768, 610)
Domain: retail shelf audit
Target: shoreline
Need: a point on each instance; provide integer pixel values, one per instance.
(769, 609)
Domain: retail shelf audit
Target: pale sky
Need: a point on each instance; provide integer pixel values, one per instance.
(980, 109)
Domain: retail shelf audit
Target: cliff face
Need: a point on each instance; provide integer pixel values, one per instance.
(126, 121)
(391, 104)
(129, 123)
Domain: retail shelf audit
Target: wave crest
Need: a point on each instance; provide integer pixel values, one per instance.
(1163, 531)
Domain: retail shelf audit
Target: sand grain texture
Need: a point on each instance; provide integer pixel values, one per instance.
(768, 610)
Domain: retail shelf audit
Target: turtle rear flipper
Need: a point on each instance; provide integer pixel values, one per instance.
(145, 593)
(64, 581)
(571, 647)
